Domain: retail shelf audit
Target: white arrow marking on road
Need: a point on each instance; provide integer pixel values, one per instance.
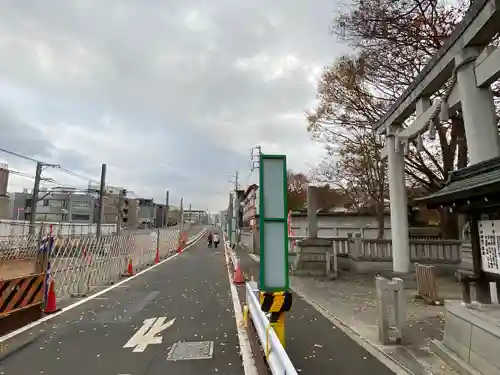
(146, 335)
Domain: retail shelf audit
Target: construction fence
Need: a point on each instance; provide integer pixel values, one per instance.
(80, 264)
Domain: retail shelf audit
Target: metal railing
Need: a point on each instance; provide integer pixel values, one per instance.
(276, 356)
(440, 251)
(80, 265)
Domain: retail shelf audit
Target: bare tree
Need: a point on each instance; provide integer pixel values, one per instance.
(393, 41)
(297, 190)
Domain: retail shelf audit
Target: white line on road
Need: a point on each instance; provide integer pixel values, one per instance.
(89, 298)
(246, 352)
(147, 334)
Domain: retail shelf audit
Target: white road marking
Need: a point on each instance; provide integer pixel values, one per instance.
(147, 334)
(89, 298)
(249, 366)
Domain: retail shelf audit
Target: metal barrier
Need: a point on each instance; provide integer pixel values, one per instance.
(276, 356)
(80, 265)
(76, 265)
(426, 284)
(21, 293)
(390, 293)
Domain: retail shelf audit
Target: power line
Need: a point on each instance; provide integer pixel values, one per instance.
(76, 174)
(19, 155)
(25, 157)
(47, 180)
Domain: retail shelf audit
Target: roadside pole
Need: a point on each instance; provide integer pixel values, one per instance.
(275, 297)
(230, 219)
(182, 217)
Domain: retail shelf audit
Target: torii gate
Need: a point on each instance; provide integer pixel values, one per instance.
(472, 66)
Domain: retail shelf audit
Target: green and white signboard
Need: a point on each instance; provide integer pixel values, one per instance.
(273, 223)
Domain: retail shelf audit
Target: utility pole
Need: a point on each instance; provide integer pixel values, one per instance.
(189, 214)
(230, 219)
(182, 215)
(34, 196)
(102, 192)
(119, 206)
(236, 210)
(36, 191)
(166, 208)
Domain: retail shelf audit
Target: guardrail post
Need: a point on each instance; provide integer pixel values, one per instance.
(276, 303)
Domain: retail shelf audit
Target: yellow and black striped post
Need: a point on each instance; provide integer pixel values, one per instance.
(276, 303)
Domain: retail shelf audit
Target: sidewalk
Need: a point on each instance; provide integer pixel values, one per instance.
(350, 303)
(182, 304)
(315, 345)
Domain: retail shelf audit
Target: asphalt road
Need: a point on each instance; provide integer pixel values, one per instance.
(132, 328)
(314, 345)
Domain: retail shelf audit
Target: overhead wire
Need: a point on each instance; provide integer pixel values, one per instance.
(46, 180)
(63, 169)
(20, 155)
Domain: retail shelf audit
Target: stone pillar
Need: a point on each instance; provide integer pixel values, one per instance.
(312, 220)
(398, 204)
(483, 141)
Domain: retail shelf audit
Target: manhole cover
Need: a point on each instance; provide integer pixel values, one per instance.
(182, 351)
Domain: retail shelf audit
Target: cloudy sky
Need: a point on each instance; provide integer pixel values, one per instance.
(170, 94)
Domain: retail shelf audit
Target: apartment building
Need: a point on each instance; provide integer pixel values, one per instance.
(4, 198)
(58, 206)
(147, 212)
(17, 204)
(113, 203)
(250, 206)
(199, 216)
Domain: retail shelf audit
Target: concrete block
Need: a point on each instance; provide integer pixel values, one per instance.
(486, 345)
(451, 343)
(482, 365)
(451, 358)
(457, 334)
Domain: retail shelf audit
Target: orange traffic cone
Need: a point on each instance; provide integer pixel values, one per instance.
(130, 269)
(157, 257)
(51, 305)
(238, 277)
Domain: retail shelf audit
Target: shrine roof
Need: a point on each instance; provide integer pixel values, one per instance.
(467, 183)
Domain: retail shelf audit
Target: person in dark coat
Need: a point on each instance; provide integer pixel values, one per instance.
(210, 239)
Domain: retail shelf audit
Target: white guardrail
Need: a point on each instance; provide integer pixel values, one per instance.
(233, 257)
(196, 236)
(277, 358)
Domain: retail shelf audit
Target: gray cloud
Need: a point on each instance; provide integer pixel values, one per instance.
(169, 94)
